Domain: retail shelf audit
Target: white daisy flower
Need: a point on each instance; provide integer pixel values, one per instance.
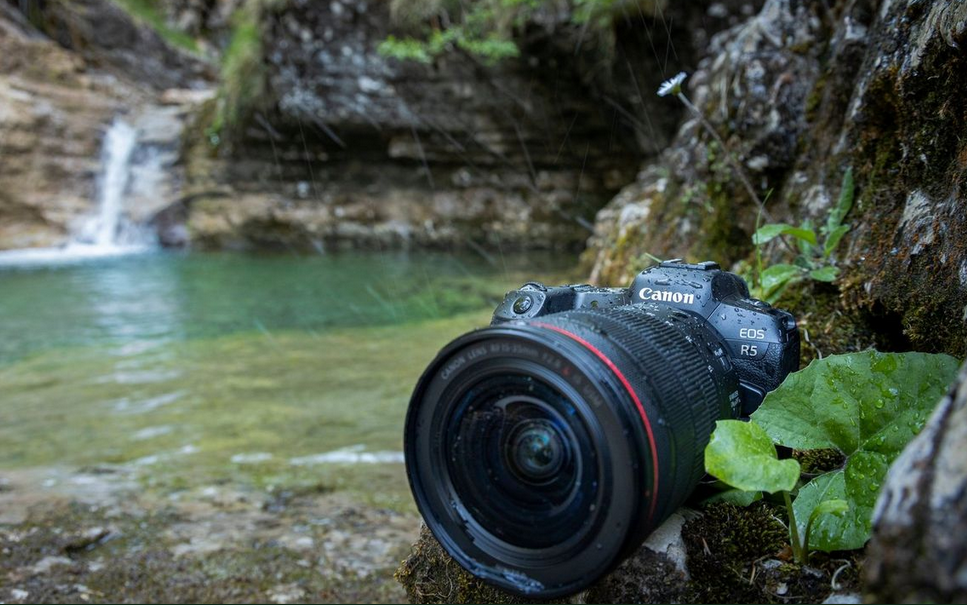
(672, 86)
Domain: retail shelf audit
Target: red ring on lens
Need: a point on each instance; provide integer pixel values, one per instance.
(634, 397)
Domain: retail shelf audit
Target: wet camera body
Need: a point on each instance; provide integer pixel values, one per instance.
(543, 449)
(761, 342)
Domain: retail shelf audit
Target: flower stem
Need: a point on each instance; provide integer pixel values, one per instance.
(734, 163)
(798, 548)
(739, 172)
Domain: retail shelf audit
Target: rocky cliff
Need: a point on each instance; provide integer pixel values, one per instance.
(350, 147)
(801, 92)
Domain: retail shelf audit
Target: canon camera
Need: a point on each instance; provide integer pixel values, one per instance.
(544, 449)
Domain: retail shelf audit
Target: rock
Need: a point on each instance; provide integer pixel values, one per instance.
(800, 92)
(353, 148)
(917, 553)
(44, 565)
(656, 573)
(51, 117)
(107, 36)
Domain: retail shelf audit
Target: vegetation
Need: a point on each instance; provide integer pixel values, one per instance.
(866, 406)
(148, 12)
(243, 83)
(485, 28)
(814, 260)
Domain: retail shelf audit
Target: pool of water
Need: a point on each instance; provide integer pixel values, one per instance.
(201, 368)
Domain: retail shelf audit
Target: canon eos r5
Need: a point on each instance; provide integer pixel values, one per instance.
(544, 449)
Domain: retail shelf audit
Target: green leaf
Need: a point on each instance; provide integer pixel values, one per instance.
(843, 205)
(832, 239)
(805, 245)
(867, 405)
(775, 277)
(829, 507)
(845, 531)
(743, 456)
(735, 496)
(814, 536)
(769, 232)
(827, 273)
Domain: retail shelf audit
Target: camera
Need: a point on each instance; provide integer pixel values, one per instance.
(542, 450)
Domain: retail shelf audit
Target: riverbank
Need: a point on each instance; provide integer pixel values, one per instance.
(92, 535)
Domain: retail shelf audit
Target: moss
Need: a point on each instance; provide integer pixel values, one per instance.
(815, 98)
(814, 462)
(723, 237)
(243, 88)
(113, 557)
(911, 140)
(722, 544)
(826, 325)
(430, 575)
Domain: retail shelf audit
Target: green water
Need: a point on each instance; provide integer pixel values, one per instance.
(196, 369)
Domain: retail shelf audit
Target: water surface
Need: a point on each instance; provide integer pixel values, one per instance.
(200, 368)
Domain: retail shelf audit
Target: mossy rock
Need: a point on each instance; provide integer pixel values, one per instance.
(430, 575)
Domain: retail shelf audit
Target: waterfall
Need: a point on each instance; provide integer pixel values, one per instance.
(104, 230)
(109, 232)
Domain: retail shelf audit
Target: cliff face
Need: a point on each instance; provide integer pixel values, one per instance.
(355, 148)
(347, 147)
(51, 113)
(801, 92)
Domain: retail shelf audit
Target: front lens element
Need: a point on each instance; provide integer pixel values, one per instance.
(525, 437)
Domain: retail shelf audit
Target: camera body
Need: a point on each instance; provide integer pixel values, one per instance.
(760, 341)
(543, 449)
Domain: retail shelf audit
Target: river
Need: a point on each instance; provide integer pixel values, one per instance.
(261, 370)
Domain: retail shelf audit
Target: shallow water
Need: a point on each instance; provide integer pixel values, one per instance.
(265, 370)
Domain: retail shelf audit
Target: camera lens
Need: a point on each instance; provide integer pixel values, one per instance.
(542, 452)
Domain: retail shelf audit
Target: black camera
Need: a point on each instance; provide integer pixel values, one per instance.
(544, 449)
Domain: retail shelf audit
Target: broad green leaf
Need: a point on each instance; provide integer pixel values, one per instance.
(769, 232)
(743, 456)
(845, 531)
(868, 405)
(843, 205)
(827, 273)
(814, 537)
(832, 239)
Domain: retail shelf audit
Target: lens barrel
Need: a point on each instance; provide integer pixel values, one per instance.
(541, 453)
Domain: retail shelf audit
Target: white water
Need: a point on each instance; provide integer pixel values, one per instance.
(107, 233)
